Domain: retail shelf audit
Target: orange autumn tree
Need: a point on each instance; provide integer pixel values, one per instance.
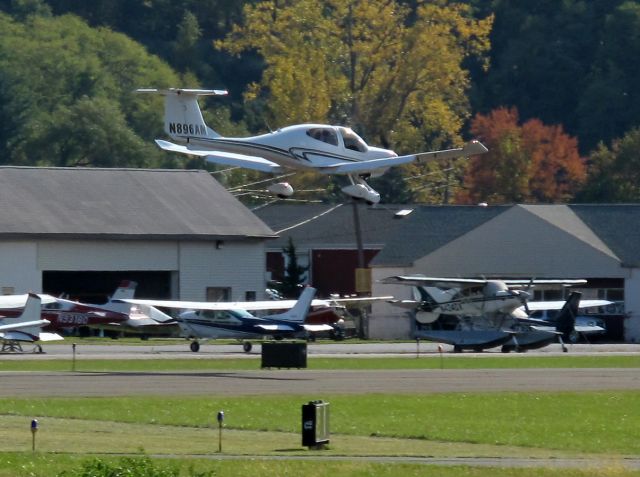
(530, 163)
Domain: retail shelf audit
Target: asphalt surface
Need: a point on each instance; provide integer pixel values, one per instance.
(324, 382)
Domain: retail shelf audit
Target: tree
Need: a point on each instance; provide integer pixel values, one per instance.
(614, 173)
(73, 101)
(525, 163)
(293, 274)
(395, 74)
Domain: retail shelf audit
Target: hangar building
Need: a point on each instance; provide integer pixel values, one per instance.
(600, 243)
(81, 231)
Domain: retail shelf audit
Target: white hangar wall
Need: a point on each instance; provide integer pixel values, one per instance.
(238, 265)
(19, 271)
(632, 306)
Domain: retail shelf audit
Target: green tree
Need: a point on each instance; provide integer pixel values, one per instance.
(73, 101)
(294, 274)
(614, 173)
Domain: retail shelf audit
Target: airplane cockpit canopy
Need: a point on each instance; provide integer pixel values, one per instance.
(352, 140)
(327, 135)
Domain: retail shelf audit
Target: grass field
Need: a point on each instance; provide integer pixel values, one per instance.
(402, 362)
(595, 425)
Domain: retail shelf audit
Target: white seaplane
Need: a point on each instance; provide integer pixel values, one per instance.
(323, 148)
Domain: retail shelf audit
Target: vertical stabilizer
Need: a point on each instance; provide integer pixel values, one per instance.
(126, 290)
(182, 116)
(300, 310)
(566, 319)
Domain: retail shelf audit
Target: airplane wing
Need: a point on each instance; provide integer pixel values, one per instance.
(224, 158)
(470, 149)
(19, 301)
(417, 280)
(557, 305)
(251, 305)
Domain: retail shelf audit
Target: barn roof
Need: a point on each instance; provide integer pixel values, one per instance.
(331, 225)
(49, 202)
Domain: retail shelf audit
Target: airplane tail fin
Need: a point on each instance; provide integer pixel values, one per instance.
(300, 310)
(566, 319)
(126, 290)
(430, 299)
(27, 326)
(182, 116)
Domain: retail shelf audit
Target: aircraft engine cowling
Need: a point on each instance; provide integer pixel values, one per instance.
(426, 317)
(360, 191)
(281, 189)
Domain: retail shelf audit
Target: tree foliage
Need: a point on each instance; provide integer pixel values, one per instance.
(614, 175)
(526, 163)
(73, 102)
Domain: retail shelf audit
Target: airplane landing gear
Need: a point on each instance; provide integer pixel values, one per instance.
(195, 346)
(246, 346)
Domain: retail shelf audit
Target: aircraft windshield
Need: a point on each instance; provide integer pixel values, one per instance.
(352, 140)
(241, 313)
(327, 135)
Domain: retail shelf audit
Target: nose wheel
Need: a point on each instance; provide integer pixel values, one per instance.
(195, 346)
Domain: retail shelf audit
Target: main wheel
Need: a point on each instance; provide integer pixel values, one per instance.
(195, 346)
(246, 346)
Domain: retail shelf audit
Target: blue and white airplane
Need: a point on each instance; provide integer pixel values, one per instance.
(320, 147)
(211, 320)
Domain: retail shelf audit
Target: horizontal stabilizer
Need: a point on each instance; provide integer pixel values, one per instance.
(316, 328)
(275, 327)
(180, 91)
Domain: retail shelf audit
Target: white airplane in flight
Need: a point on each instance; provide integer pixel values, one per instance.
(320, 147)
(211, 320)
(26, 327)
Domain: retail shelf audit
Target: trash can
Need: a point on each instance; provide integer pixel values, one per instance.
(315, 424)
(284, 355)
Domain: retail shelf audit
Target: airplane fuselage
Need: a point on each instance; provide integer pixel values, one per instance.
(303, 146)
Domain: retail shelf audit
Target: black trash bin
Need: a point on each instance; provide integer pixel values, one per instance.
(315, 424)
(284, 355)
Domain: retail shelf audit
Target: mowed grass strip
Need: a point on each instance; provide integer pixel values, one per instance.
(402, 362)
(48, 465)
(589, 422)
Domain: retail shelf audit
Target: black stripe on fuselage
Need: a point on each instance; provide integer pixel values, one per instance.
(290, 154)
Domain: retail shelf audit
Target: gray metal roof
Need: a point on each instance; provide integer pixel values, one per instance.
(430, 227)
(617, 225)
(331, 225)
(121, 203)
(613, 230)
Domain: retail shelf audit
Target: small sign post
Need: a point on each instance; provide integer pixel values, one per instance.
(73, 361)
(220, 422)
(34, 429)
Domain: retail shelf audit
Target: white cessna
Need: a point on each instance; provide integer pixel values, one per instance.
(326, 149)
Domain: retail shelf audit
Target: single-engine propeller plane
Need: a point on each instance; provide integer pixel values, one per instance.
(320, 147)
(488, 313)
(211, 320)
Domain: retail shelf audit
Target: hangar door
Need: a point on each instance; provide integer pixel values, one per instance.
(97, 287)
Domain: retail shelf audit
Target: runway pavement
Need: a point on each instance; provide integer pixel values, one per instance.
(307, 381)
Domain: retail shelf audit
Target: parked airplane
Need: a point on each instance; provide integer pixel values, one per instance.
(324, 148)
(64, 314)
(25, 328)
(211, 320)
(486, 313)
